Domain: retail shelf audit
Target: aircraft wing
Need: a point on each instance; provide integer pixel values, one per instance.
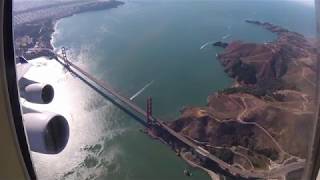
(22, 67)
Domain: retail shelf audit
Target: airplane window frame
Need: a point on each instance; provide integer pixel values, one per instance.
(313, 161)
(12, 85)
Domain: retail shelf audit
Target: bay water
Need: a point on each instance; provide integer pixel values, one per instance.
(159, 43)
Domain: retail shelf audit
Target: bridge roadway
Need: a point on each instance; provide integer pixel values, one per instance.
(260, 174)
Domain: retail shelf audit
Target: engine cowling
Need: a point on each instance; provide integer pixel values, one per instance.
(39, 93)
(47, 132)
(36, 92)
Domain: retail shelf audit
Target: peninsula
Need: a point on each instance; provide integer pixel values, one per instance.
(259, 127)
(33, 27)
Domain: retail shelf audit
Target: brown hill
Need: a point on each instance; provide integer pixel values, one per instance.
(265, 119)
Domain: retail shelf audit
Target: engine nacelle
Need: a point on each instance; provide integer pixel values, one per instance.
(36, 92)
(39, 93)
(47, 132)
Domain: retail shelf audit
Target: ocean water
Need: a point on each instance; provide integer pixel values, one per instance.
(135, 44)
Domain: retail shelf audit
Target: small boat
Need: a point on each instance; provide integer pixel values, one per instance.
(226, 36)
(187, 173)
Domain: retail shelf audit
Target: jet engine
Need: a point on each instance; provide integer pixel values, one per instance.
(47, 132)
(36, 92)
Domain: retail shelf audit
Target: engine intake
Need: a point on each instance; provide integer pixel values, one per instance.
(36, 92)
(47, 132)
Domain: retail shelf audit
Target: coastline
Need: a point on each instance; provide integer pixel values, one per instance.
(232, 126)
(212, 174)
(54, 33)
(32, 43)
(50, 71)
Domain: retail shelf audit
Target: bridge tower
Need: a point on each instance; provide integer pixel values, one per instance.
(64, 56)
(149, 110)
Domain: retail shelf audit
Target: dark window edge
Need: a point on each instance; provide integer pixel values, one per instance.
(13, 88)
